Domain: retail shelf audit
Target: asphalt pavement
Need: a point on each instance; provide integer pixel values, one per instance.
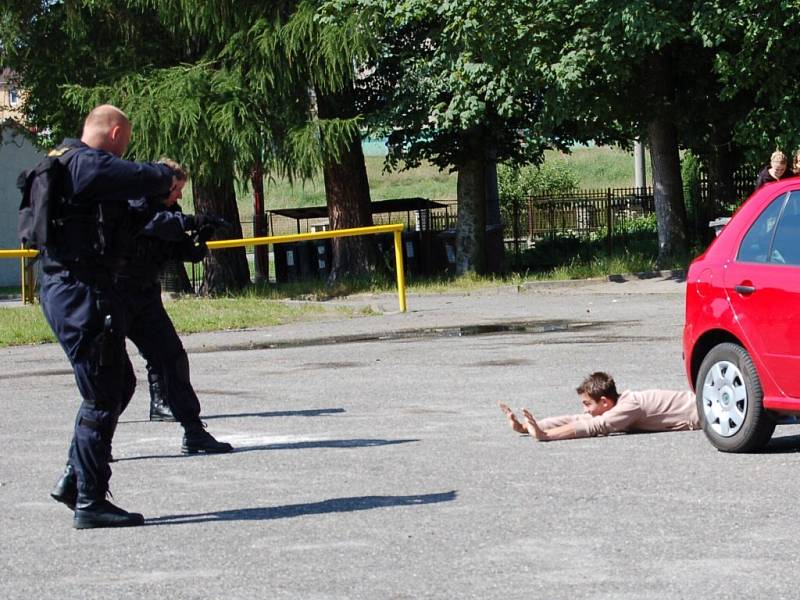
(372, 462)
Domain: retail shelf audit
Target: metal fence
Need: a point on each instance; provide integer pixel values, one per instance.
(580, 212)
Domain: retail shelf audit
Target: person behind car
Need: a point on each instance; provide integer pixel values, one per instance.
(606, 411)
(796, 164)
(775, 171)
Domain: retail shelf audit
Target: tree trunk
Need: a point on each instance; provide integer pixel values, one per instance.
(668, 191)
(347, 196)
(224, 270)
(471, 228)
(260, 224)
(495, 248)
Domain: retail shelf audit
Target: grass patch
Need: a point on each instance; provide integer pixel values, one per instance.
(426, 181)
(23, 325)
(191, 315)
(600, 167)
(595, 167)
(26, 324)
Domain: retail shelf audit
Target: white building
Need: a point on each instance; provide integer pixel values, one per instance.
(17, 153)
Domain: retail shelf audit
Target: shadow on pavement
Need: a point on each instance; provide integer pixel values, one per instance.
(782, 445)
(356, 443)
(314, 412)
(333, 505)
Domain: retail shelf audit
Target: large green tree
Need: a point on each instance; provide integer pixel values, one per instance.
(454, 83)
(229, 95)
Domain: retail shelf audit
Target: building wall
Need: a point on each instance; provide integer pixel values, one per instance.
(17, 153)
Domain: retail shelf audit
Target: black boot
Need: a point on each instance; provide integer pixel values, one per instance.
(196, 440)
(66, 489)
(91, 513)
(159, 407)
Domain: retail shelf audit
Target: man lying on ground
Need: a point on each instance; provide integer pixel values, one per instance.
(605, 411)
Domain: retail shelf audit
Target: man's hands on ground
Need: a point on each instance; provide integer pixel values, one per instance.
(533, 427)
(513, 422)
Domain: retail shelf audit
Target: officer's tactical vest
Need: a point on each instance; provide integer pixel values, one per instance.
(71, 233)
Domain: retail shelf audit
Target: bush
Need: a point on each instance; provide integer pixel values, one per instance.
(515, 183)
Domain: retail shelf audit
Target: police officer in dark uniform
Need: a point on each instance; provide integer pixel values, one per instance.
(163, 238)
(79, 302)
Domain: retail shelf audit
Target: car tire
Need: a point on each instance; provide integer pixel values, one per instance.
(729, 401)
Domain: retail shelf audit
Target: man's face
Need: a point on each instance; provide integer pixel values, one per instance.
(176, 193)
(595, 407)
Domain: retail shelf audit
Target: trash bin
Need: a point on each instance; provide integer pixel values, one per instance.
(411, 249)
(291, 262)
(446, 250)
(384, 250)
(320, 254)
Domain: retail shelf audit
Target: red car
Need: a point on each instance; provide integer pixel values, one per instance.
(741, 337)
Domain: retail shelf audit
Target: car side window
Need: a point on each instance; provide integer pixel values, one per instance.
(755, 245)
(786, 243)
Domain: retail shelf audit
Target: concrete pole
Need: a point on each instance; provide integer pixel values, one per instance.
(640, 177)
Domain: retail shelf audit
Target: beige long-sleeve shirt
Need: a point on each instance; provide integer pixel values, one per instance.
(647, 410)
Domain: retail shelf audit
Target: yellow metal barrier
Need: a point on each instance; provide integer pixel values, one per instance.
(395, 229)
(26, 272)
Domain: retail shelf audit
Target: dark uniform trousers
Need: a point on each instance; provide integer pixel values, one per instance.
(87, 318)
(151, 330)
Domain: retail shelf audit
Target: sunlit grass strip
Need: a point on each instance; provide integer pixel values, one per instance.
(26, 324)
(23, 325)
(191, 315)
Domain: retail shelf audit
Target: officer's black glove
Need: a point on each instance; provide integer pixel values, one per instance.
(204, 234)
(193, 250)
(210, 220)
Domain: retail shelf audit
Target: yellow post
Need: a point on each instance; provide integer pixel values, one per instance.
(401, 275)
(30, 277)
(23, 278)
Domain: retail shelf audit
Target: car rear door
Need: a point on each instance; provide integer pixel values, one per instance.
(763, 287)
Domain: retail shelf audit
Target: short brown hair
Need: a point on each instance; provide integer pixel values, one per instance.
(597, 385)
(181, 174)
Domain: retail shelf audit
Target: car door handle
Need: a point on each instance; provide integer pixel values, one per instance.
(745, 290)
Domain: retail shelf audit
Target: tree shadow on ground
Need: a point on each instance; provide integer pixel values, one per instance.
(333, 505)
(355, 443)
(313, 412)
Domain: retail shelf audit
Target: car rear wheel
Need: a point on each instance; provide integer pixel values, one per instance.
(729, 401)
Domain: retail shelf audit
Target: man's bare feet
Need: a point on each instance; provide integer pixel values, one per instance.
(532, 427)
(512, 419)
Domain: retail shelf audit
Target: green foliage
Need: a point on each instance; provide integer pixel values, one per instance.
(453, 79)
(754, 50)
(635, 244)
(690, 175)
(643, 225)
(51, 44)
(516, 183)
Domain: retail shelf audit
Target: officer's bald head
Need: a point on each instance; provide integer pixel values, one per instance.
(107, 128)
